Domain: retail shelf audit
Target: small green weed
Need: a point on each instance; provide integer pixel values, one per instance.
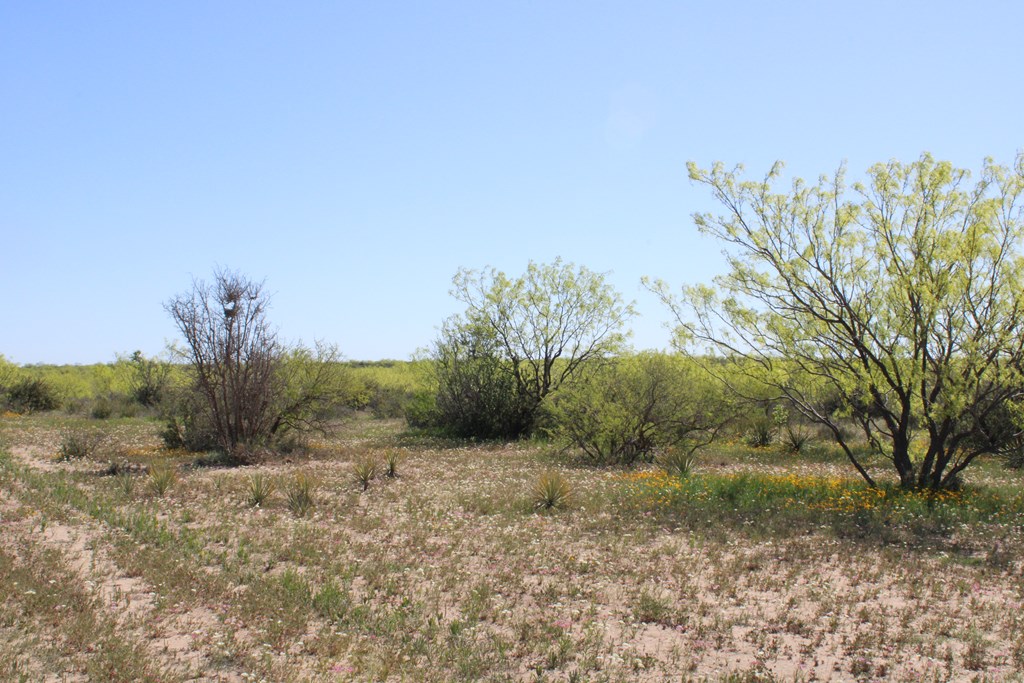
(125, 483)
(652, 609)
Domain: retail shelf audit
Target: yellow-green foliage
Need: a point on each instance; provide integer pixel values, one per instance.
(74, 382)
(903, 295)
(8, 372)
(624, 410)
(406, 375)
(386, 387)
(87, 381)
(80, 381)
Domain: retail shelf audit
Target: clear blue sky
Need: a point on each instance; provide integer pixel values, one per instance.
(356, 154)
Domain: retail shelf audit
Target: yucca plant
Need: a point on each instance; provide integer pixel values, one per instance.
(301, 494)
(365, 470)
(258, 489)
(796, 438)
(162, 477)
(391, 460)
(676, 461)
(551, 491)
(125, 482)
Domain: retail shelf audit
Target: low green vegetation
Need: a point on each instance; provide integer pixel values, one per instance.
(791, 501)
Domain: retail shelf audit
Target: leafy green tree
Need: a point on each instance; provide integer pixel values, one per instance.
(519, 340)
(903, 299)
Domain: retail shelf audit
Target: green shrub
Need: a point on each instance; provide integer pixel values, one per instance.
(519, 342)
(1015, 460)
(149, 379)
(101, 409)
(387, 401)
(622, 412)
(8, 374)
(187, 423)
(477, 394)
(77, 444)
(29, 395)
(421, 410)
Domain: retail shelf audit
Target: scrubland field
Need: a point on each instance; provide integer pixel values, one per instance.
(129, 562)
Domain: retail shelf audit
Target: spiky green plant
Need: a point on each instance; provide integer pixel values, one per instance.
(391, 460)
(365, 470)
(301, 494)
(796, 438)
(162, 478)
(125, 483)
(259, 488)
(551, 491)
(676, 461)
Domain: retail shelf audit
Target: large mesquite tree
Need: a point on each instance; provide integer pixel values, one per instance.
(900, 299)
